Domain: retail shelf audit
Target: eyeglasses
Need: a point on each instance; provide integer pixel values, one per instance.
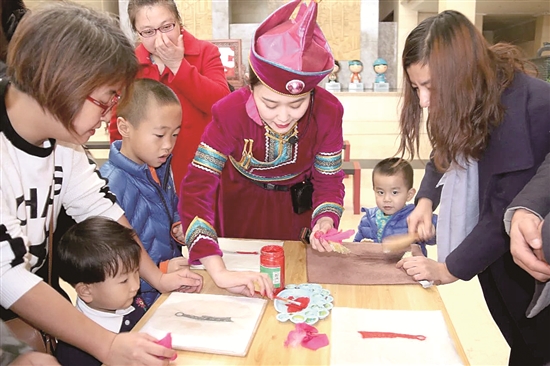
(106, 107)
(150, 32)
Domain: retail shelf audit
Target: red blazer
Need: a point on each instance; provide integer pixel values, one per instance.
(199, 83)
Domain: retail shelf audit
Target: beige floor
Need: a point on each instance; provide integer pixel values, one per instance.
(480, 337)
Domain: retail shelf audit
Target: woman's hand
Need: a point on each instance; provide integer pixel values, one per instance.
(169, 53)
(322, 225)
(526, 244)
(420, 220)
(137, 349)
(244, 283)
(35, 359)
(422, 268)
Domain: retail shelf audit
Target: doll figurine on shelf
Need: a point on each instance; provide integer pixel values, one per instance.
(355, 67)
(380, 68)
(333, 76)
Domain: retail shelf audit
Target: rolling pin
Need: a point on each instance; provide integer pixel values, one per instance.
(399, 243)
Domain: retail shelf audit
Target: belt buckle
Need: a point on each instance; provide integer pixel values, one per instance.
(270, 186)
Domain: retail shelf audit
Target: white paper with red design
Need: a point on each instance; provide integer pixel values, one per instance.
(238, 253)
(348, 347)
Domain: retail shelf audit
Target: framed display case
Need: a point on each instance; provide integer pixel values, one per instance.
(231, 56)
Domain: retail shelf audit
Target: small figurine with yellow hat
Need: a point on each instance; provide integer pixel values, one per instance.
(280, 136)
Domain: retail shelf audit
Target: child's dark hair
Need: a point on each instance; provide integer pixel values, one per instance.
(95, 249)
(394, 166)
(134, 108)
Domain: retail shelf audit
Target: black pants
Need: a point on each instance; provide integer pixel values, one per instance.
(508, 290)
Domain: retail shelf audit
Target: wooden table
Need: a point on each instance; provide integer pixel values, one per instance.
(267, 348)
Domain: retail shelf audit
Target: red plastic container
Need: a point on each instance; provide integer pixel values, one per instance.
(272, 262)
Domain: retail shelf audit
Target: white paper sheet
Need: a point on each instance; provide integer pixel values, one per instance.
(242, 262)
(349, 348)
(223, 337)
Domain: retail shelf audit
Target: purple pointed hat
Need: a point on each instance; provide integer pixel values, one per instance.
(291, 56)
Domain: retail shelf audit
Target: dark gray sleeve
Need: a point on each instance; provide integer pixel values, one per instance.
(536, 194)
(428, 186)
(546, 237)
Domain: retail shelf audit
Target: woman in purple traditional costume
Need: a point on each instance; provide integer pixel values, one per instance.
(263, 140)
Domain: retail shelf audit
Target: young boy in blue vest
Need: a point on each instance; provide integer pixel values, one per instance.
(139, 174)
(392, 181)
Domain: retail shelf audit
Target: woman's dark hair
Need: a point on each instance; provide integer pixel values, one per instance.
(61, 52)
(467, 79)
(252, 79)
(135, 5)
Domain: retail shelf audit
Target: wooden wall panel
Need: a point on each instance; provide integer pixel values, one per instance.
(341, 24)
(197, 17)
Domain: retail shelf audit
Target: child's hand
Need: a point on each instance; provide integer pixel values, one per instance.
(182, 280)
(321, 227)
(177, 263)
(177, 232)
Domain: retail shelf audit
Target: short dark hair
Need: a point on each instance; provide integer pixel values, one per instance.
(134, 108)
(96, 248)
(61, 52)
(394, 166)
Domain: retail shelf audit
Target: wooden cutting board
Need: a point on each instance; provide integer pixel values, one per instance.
(207, 323)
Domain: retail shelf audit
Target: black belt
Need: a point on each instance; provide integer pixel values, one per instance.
(272, 187)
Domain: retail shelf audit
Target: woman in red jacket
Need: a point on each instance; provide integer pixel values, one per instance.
(190, 67)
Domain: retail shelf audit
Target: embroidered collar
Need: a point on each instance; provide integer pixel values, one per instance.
(281, 137)
(109, 321)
